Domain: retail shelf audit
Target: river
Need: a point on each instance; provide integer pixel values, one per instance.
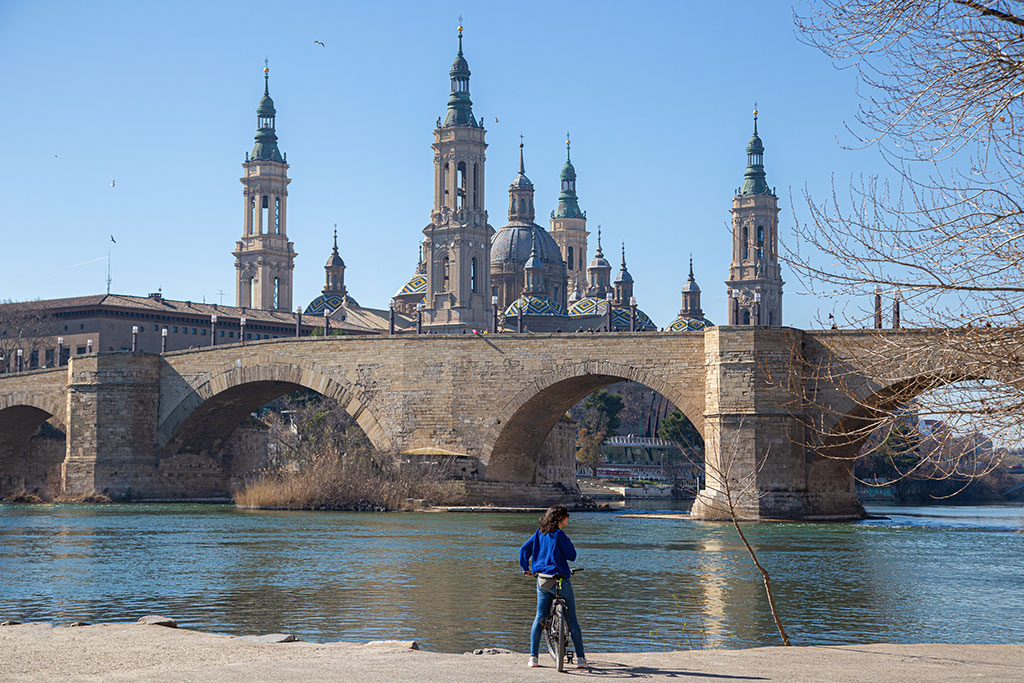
(451, 580)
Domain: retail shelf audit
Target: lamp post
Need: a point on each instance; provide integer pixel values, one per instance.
(163, 340)
(60, 351)
(88, 345)
(391, 317)
(327, 322)
(20, 356)
(519, 318)
(608, 298)
(878, 307)
(757, 308)
(632, 314)
(135, 338)
(213, 330)
(494, 314)
(298, 321)
(241, 330)
(419, 318)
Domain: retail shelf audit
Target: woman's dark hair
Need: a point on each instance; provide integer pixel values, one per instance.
(552, 518)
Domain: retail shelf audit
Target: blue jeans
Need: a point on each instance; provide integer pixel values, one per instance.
(544, 600)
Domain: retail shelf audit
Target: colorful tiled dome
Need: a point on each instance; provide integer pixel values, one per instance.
(531, 304)
(331, 301)
(416, 285)
(588, 306)
(682, 324)
(620, 320)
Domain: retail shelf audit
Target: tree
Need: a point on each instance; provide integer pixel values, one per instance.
(678, 428)
(607, 403)
(24, 326)
(942, 87)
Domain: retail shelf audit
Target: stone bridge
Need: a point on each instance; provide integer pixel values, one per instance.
(771, 403)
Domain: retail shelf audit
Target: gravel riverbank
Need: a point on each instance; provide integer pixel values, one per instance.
(136, 652)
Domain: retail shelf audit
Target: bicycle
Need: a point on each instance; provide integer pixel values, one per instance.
(556, 628)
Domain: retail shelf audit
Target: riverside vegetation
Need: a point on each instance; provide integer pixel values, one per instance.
(321, 460)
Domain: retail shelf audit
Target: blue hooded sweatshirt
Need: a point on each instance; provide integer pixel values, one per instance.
(547, 553)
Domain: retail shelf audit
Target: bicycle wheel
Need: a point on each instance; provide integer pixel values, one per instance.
(551, 635)
(562, 633)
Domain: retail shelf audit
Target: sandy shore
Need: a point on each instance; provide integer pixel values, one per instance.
(39, 652)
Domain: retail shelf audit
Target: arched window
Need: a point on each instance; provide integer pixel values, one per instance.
(472, 275)
(476, 186)
(746, 241)
(277, 218)
(746, 316)
(251, 288)
(277, 293)
(569, 260)
(461, 180)
(252, 216)
(760, 242)
(512, 210)
(445, 274)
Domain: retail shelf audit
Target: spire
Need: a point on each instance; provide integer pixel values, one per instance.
(534, 269)
(335, 258)
(624, 275)
(520, 193)
(568, 202)
(266, 148)
(754, 178)
(334, 271)
(599, 254)
(460, 107)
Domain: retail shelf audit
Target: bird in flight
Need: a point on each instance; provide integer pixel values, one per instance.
(112, 183)
(112, 239)
(320, 43)
(495, 119)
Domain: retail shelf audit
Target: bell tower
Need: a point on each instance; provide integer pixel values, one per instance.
(264, 258)
(456, 242)
(755, 279)
(569, 226)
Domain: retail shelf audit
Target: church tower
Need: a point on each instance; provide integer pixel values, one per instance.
(264, 258)
(755, 279)
(456, 244)
(334, 271)
(569, 226)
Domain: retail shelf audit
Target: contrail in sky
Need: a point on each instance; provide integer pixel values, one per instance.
(101, 258)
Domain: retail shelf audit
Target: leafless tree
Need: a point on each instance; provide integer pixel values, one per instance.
(941, 231)
(24, 326)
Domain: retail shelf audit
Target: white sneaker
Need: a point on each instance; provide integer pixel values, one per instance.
(581, 663)
(533, 662)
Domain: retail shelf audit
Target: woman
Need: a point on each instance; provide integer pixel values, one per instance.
(545, 555)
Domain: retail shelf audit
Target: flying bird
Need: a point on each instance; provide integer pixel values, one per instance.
(495, 119)
(112, 239)
(112, 183)
(317, 42)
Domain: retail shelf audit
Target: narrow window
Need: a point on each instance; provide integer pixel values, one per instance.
(476, 185)
(277, 216)
(760, 242)
(445, 274)
(265, 216)
(746, 239)
(252, 216)
(277, 293)
(746, 317)
(569, 261)
(513, 210)
(472, 274)
(461, 180)
(248, 301)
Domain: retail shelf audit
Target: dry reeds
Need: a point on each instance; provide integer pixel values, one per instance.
(359, 480)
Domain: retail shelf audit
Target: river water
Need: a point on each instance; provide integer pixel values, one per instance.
(451, 580)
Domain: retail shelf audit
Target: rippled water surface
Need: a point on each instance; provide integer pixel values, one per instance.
(451, 581)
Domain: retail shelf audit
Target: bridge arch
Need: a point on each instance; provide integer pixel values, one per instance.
(209, 413)
(21, 416)
(513, 443)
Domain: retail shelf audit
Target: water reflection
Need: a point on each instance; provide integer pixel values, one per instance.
(452, 582)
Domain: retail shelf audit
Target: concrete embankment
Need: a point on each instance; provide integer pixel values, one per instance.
(136, 652)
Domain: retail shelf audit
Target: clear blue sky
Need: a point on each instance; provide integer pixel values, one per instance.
(161, 98)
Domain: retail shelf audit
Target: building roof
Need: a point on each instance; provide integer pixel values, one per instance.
(513, 243)
(531, 304)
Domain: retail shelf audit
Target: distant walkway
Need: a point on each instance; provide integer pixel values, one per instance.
(112, 652)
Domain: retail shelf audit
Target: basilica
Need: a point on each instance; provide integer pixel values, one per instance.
(520, 277)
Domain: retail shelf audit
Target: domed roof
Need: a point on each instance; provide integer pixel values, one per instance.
(599, 261)
(691, 286)
(331, 301)
(513, 243)
(685, 324)
(334, 260)
(620, 319)
(588, 306)
(266, 107)
(568, 171)
(521, 182)
(417, 284)
(531, 304)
